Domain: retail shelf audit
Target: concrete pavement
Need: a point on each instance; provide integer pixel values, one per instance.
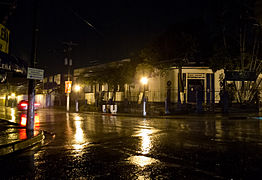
(14, 137)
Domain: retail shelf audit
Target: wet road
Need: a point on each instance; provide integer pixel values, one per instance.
(94, 146)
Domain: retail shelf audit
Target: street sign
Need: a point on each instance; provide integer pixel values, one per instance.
(240, 76)
(196, 75)
(68, 86)
(4, 39)
(34, 73)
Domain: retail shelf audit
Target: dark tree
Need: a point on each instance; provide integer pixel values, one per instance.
(175, 47)
(237, 44)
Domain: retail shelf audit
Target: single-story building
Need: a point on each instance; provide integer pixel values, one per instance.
(195, 78)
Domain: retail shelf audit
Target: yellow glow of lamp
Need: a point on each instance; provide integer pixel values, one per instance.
(77, 88)
(144, 80)
(13, 95)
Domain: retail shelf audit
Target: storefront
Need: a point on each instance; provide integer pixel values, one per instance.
(12, 64)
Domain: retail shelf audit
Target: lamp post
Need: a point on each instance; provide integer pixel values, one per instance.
(144, 81)
(77, 89)
(68, 63)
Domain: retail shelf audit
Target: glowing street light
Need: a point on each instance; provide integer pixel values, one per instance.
(144, 81)
(77, 88)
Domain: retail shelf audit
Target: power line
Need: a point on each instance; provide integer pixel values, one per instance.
(85, 21)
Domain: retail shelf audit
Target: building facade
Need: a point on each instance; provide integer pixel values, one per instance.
(195, 79)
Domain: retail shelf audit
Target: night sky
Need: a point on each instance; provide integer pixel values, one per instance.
(122, 27)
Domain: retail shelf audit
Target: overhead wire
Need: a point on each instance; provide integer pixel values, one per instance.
(85, 21)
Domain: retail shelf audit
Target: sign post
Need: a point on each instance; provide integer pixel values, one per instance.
(31, 85)
(34, 73)
(68, 89)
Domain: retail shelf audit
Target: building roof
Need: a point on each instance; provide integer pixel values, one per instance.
(99, 67)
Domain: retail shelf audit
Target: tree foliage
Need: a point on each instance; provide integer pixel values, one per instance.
(114, 75)
(237, 44)
(175, 47)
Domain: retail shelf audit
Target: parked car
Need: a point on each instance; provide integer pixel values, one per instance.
(22, 105)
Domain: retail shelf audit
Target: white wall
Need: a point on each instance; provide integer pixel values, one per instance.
(90, 98)
(158, 85)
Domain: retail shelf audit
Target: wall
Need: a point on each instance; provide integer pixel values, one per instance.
(90, 98)
(157, 86)
(156, 89)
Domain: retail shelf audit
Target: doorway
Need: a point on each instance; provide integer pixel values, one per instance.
(193, 86)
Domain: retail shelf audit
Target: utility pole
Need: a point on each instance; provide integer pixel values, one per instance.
(31, 85)
(68, 62)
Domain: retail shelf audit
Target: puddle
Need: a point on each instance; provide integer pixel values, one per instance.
(142, 160)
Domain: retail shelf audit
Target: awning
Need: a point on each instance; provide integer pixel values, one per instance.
(12, 64)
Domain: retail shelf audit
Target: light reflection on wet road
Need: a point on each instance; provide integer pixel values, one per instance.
(95, 146)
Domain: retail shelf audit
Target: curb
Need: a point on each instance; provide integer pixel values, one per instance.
(21, 144)
(175, 116)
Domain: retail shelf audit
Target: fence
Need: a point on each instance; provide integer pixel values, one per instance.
(156, 102)
(132, 101)
(161, 96)
(154, 96)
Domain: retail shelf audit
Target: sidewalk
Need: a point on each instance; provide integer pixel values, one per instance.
(229, 116)
(14, 138)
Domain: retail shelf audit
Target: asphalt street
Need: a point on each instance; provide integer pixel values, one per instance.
(96, 146)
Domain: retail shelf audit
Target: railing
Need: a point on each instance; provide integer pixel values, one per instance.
(155, 96)
(132, 102)
(160, 96)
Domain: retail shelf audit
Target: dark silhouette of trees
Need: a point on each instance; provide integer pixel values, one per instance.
(237, 44)
(173, 48)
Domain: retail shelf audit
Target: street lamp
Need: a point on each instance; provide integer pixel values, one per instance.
(77, 89)
(144, 81)
(13, 95)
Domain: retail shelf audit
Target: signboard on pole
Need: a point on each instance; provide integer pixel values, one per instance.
(240, 76)
(68, 86)
(4, 39)
(34, 73)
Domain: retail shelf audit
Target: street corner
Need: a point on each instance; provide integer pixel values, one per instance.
(20, 145)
